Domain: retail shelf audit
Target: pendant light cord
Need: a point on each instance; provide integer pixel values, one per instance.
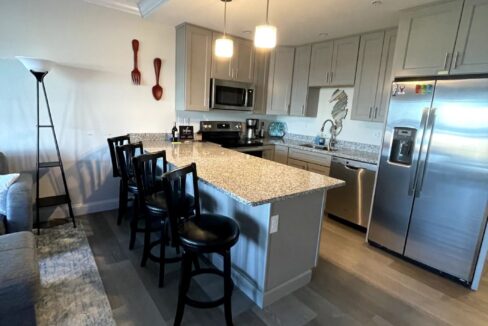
(225, 16)
(267, 10)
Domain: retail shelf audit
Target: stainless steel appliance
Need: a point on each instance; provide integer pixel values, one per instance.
(252, 128)
(231, 95)
(431, 197)
(353, 201)
(228, 134)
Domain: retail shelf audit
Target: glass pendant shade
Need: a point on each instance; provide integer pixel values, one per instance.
(224, 47)
(35, 64)
(265, 37)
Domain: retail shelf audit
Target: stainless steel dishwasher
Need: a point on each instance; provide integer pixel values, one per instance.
(353, 201)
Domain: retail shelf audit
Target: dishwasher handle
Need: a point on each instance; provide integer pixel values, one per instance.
(350, 167)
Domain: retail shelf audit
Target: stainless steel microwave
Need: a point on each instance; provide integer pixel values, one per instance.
(231, 95)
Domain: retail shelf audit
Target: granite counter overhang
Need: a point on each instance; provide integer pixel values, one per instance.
(250, 180)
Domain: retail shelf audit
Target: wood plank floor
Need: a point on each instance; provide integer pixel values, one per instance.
(353, 284)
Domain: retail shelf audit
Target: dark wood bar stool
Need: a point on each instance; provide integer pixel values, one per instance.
(125, 154)
(112, 144)
(198, 234)
(149, 169)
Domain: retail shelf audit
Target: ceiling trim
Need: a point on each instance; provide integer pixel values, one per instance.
(146, 7)
(117, 5)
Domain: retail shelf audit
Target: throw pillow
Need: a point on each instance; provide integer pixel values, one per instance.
(6, 180)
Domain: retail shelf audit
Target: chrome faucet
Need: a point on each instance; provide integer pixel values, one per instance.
(333, 129)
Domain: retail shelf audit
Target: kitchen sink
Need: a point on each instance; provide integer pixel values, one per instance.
(319, 147)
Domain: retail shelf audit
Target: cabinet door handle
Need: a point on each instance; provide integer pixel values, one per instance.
(303, 109)
(376, 112)
(445, 60)
(370, 110)
(237, 72)
(331, 76)
(327, 77)
(456, 60)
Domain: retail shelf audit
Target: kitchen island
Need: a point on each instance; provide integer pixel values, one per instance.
(279, 210)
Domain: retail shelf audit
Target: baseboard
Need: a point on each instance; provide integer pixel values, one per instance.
(93, 207)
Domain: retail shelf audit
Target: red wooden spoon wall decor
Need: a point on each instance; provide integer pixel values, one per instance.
(157, 90)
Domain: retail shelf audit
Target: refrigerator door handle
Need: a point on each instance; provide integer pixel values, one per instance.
(424, 153)
(414, 166)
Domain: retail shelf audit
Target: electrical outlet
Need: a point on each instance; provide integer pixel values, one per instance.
(274, 224)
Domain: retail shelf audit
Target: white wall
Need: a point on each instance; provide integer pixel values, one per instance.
(90, 91)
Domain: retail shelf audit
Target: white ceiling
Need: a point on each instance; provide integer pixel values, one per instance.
(298, 21)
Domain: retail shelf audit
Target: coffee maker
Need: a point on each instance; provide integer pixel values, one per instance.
(252, 128)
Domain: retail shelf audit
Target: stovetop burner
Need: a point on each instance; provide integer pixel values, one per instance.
(227, 134)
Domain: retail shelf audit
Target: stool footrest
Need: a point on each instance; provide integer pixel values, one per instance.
(206, 304)
(157, 259)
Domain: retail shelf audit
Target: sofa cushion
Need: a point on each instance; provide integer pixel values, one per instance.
(3, 225)
(6, 180)
(19, 276)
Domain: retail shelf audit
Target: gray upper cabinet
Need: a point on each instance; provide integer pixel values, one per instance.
(344, 61)
(471, 53)
(261, 68)
(321, 62)
(367, 76)
(386, 76)
(373, 77)
(193, 65)
(240, 67)
(280, 80)
(333, 63)
(426, 38)
(244, 61)
(299, 86)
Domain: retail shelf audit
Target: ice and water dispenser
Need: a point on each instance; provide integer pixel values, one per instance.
(402, 145)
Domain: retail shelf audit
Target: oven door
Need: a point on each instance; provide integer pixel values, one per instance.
(228, 95)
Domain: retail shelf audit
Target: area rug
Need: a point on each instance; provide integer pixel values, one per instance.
(72, 291)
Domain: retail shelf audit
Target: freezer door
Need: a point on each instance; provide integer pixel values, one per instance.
(450, 208)
(393, 198)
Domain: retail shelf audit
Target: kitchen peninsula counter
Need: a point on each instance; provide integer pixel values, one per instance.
(279, 210)
(248, 179)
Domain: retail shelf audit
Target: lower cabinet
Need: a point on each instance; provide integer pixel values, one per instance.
(268, 153)
(310, 161)
(281, 154)
(297, 164)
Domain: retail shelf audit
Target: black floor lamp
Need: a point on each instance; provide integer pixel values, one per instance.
(39, 68)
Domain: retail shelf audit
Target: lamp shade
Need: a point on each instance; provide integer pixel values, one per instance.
(265, 37)
(224, 48)
(36, 64)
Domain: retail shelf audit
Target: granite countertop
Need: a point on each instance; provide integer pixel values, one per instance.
(342, 152)
(248, 179)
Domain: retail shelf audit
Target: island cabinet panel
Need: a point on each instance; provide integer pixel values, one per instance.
(280, 80)
(320, 64)
(471, 53)
(193, 66)
(299, 88)
(281, 154)
(344, 61)
(426, 38)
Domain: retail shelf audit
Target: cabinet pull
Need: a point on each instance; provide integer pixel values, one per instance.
(456, 60)
(445, 60)
(237, 72)
(327, 77)
(331, 76)
(303, 109)
(376, 112)
(370, 110)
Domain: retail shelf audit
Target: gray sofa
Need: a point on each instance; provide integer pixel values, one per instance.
(19, 272)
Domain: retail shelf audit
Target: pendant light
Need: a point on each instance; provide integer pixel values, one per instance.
(224, 47)
(265, 35)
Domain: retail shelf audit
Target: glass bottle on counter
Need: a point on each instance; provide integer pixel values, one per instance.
(174, 133)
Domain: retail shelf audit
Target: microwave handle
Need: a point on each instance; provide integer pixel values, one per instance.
(213, 89)
(246, 98)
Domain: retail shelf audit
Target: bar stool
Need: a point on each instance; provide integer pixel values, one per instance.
(112, 144)
(198, 234)
(125, 154)
(148, 171)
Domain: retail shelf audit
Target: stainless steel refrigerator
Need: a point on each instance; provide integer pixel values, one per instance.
(431, 192)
